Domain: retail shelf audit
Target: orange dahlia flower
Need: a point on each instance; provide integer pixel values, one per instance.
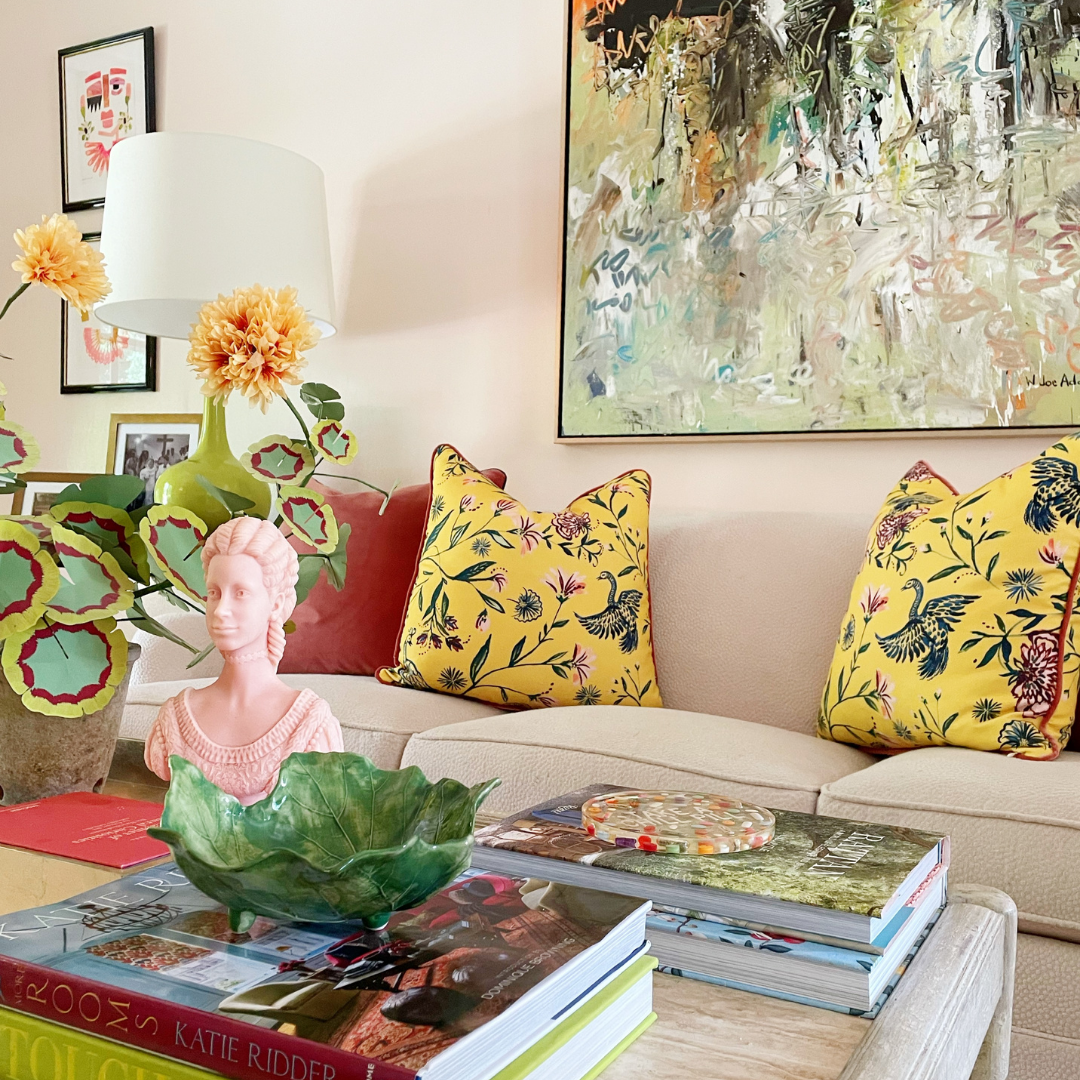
(55, 254)
(253, 341)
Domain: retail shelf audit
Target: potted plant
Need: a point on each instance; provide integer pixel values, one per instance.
(68, 577)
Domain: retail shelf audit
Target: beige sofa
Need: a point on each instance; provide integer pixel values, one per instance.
(746, 609)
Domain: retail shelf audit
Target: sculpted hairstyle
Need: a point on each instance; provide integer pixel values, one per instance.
(280, 566)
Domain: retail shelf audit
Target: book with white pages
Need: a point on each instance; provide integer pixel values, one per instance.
(849, 978)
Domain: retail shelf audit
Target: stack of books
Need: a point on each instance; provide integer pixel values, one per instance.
(493, 977)
(829, 913)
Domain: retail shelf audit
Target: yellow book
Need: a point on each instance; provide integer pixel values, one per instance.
(33, 1049)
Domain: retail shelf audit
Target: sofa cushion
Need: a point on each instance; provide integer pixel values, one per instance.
(745, 609)
(1014, 824)
(528, 609)
(958, 624)
(355, 631)
(607, 744)
(376, 720)
(1047, 997)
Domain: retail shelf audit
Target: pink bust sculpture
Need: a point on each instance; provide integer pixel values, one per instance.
(241, 727)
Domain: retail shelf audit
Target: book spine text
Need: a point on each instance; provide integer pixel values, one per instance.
(206, 1040)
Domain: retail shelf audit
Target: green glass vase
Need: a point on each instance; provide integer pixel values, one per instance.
(179, 484)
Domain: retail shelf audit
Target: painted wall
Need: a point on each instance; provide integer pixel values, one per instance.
(438, 125)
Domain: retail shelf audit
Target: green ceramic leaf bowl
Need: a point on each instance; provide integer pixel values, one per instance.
(337, 839)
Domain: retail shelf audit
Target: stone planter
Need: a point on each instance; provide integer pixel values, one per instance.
(50, 755)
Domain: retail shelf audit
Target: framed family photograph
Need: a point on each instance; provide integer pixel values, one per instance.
(106, 94)
(41, 491)
(146, 444)
(96, 357)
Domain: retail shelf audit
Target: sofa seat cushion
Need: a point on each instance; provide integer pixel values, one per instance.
(538, 757)
(376, 720)
(1014, 824)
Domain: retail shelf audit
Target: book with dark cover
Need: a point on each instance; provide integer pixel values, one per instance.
(473, 975)
(819, 874)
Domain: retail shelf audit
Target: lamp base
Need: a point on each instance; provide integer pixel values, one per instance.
(179, 484)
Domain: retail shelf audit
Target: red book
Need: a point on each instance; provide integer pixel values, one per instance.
(206, 1040)
(102, 829)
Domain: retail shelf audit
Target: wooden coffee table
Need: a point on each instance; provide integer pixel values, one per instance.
(948, 1019)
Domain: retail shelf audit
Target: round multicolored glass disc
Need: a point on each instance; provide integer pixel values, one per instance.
(677, 822)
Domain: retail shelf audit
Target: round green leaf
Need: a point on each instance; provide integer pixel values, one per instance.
(310, 518)
(40, 526)
(93, 585)
(279, 458)
(63, 670)
(28, 578)
(175, 537)
(334, 442)
(19, 450)
(112, 530)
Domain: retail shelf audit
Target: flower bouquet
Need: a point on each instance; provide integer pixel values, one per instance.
(67, 577)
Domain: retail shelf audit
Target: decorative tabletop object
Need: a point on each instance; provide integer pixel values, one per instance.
(677, 822)
(67, 576)
(241, 727)
(337, 839)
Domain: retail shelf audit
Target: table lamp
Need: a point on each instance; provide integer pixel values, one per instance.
(188, 217)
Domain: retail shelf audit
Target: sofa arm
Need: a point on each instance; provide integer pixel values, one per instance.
(165, 661)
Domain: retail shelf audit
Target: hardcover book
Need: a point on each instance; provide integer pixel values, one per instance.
(819, 874)
(802, 999)
(584, 1042)
(785, 962)
(453, 989)
(103, 829)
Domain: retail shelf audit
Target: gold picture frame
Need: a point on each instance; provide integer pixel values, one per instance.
(42, 483)
(145, 444)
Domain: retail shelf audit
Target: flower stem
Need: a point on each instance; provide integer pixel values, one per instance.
(299, 419)
(342, 476)
(15, 296)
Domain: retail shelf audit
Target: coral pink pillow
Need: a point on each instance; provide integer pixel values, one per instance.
(355, 631)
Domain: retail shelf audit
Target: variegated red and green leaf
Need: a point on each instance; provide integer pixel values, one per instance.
(63, 670)
(279, 458)
(28, 578)
(92, 586)
(175, 537)
(40, 525)
(19, 450)
(311, 519)
(112, 529)
(334, 442)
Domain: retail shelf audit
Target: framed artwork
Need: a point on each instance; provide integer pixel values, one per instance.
(788, 220)
(146, 444)
(41, 491)
(106, 94)
(95, 357)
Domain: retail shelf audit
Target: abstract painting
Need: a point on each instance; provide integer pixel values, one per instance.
(814, 216)
(96, 357)
(106, 94)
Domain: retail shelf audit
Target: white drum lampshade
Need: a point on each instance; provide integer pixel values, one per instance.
(190, 216)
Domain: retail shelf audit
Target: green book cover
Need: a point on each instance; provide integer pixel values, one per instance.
(579, 1019)
(34, 1049)
(826, 862)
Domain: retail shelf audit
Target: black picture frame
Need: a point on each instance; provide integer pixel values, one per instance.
(149, 381)
(69, 203)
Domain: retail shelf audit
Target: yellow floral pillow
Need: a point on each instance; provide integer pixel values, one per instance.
(958, 629)
(523, 609)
